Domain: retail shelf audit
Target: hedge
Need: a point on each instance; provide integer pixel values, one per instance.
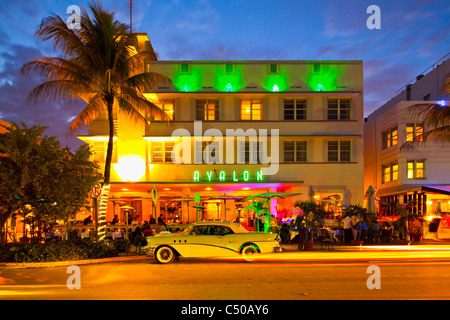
(61, 250)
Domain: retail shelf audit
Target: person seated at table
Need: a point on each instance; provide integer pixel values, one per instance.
(285, 234)
(88, 220)
(115, 220)
(364, 230)
(386, 231)
(373, 232)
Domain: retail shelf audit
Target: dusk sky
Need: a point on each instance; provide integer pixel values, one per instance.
(414, 34)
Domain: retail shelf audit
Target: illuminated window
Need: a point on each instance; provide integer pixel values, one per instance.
(207, 109)
(251, 110)
(389, 172)
(414, 132)
(99, 149)
(339, 151)
(162, 151)
(338, 109)
(295, 151)
(295, 109)
(390, 138)
(415, 169)
(167, 106)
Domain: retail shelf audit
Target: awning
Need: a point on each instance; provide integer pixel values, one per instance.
(439, 189)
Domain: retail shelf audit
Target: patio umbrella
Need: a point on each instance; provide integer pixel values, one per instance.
(226, 197)
(272, 195)
(371, 207)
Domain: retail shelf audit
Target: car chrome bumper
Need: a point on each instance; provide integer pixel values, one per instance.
(149, 251)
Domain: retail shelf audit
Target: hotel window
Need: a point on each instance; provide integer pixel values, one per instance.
(199, 150)
(295, 109)
(389, 173)
(99, 149)
(162, 151)
(414, 132)
(273, 69)
(207, 110)
(248, 152)
(415, 169)
(339, 109)
(185, 68)
(251, 110)
(339, 151)
(229, 68)
(295, 151)
(167, 106)
(390, 138)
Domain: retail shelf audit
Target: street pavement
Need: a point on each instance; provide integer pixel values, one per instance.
(426, 250)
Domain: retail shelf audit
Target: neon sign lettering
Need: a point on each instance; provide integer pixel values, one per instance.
(221, 176)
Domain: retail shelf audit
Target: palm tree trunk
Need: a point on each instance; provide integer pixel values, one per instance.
(101, 231)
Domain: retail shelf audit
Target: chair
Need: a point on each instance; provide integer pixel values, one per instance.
(325, 238)
(373, 236)
(48, 236)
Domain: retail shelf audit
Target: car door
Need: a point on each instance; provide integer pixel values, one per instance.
(207, 242)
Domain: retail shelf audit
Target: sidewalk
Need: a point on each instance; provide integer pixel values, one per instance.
(121, 257)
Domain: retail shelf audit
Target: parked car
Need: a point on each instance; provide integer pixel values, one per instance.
(212, 239)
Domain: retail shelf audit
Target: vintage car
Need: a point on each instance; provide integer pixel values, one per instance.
(212, 239)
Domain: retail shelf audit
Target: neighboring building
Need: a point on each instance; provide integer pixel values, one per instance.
(402, 175)
(3, 126)
(317, 106)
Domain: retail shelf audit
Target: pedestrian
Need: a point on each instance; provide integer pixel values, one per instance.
(161, 221)
(348, 230)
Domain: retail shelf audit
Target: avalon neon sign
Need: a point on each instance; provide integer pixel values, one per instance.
(221, 176)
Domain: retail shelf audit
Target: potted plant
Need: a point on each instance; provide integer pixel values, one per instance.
(259, 207)
(313, 215)
(416, 234)
(405, 220)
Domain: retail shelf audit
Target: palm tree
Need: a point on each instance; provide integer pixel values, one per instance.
(99, 65)
(259, 207)
(436, 118)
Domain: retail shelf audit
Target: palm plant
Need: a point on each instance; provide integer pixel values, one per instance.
(436, 118)
(260, 207)
(314, 215)
(99, 65)
(406, 217)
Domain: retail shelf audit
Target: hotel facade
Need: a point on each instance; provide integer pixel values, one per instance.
(245, 127)
(417, 174)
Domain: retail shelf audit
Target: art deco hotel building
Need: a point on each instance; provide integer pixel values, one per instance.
(309, 114)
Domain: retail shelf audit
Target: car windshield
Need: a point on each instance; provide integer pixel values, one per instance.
(211, 230)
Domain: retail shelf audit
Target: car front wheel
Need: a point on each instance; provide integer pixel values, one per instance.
(165, 255)
(249, 252)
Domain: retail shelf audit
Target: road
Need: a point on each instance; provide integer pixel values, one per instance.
(285, 279)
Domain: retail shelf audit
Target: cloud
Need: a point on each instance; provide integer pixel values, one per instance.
(14, 89)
